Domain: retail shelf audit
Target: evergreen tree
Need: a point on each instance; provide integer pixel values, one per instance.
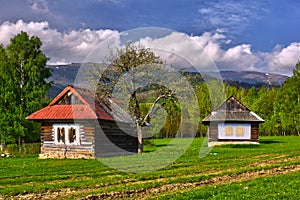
(205, 106)
(287, 104)
(264, 107)
(250, 97)
(232, 91)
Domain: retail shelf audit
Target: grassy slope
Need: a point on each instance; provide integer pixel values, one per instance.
(84, 177)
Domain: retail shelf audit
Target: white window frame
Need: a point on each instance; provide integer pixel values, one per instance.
(67, 127)
(247, 131)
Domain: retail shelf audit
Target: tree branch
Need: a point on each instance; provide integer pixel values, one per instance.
(151, 110)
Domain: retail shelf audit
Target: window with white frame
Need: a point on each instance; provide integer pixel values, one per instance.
(66, 134)
(234, 131)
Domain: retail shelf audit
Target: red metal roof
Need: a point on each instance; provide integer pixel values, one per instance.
(55, 111)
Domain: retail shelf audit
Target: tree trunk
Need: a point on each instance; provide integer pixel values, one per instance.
(19, 143)
(1, 146)
(140, 138)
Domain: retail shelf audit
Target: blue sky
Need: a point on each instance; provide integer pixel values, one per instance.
(258, 35)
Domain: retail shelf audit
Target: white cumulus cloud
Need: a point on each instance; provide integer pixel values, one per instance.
(283, 59)
(204, 51)
(61, 47)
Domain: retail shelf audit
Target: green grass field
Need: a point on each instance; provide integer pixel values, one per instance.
(266, 171)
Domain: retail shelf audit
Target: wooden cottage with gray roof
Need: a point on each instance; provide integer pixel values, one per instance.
(232, 123)
(76, 125)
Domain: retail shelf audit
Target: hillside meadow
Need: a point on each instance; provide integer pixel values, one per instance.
(270, 170)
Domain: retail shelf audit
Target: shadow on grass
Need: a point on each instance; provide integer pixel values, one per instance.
(269, 141)
(241, 146)
(252, 145)
(155, 147)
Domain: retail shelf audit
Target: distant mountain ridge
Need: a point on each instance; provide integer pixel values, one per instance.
(64, 75)
(254, 77)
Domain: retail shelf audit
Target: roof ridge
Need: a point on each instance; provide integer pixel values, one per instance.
(232, 112)
(236, 99)
(64, 92)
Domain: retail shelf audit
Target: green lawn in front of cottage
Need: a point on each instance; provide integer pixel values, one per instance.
(223, 169)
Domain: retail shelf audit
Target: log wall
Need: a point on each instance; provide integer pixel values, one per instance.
(213, 132)
(114, 139)
(254, 131)
(97, 139)
(51, 150)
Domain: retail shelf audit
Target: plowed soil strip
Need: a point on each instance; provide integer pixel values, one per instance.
(144, 193)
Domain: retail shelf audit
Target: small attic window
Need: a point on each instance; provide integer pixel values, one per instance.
(69, 99)
(230, 105)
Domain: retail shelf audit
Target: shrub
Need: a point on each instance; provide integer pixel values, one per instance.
(25, 149)
(11, 148)
(33, 148)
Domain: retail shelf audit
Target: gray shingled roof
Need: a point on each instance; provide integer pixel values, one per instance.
(232, 110)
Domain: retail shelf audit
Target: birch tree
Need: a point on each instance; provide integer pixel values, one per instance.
(23, 87)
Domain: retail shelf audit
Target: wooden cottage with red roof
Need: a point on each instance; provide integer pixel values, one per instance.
(232, 123)
(74, 125)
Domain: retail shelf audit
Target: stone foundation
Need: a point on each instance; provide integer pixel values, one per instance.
(62, 154)
(211, 144)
